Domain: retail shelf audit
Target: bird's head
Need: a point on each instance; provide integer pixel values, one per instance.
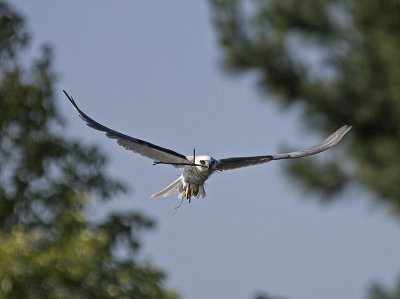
(206, 162)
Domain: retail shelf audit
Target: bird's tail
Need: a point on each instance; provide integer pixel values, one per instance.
(176, 186)
(202, 192)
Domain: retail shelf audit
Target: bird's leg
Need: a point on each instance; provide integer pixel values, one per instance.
(195, 190)
(188, 192)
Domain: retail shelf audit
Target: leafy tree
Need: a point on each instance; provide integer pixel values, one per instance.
(379, 292)
(48, 249)
(339, 61)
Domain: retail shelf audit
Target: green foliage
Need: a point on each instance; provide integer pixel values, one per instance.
(48, 249)
(76, 262)
(379, 292)
(339, 61)
(314, 175)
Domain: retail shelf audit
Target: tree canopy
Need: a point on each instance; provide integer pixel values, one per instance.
(338, 61)
(48, 248)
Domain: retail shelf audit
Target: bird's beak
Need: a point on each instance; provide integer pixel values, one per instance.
(205, 165)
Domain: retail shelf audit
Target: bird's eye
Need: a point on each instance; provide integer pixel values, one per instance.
(202, 162)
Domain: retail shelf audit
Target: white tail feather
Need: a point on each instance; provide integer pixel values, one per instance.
(176, 186)
(202, 192)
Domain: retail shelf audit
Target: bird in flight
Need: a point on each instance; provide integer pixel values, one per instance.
(197, 169)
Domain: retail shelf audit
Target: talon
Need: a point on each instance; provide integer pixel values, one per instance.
(188, 192)
(195, 190)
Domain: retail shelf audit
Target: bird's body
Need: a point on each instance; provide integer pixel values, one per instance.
(200, 173)
(194, 177)
(190, 183)
(197, 169)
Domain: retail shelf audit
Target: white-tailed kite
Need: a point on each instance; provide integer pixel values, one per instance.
(197, 169)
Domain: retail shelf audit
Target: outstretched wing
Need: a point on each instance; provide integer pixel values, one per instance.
(144, 148)
(235, 163)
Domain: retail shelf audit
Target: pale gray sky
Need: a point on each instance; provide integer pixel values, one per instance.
(150, 69)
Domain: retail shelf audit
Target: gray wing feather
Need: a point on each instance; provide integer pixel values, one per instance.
(239, 162)
(144, 148)
(332, 140)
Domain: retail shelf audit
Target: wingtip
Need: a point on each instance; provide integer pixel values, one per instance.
(344, 129)
(69, 97)
(66, 93)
